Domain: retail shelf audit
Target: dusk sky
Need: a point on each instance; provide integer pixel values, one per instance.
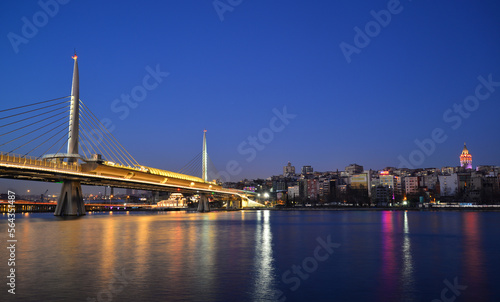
(357, 86)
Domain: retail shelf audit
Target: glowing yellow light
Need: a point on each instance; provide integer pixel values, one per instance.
(74, 57)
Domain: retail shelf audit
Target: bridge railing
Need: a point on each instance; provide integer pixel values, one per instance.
(33, 161)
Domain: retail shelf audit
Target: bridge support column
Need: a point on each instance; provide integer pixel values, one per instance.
(203, 204)
(70, 202)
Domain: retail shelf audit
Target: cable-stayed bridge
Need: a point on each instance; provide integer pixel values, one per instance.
(61, 140)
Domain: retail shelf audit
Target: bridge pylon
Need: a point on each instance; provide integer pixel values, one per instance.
(70, 200)
(204, 158)
(203, 205)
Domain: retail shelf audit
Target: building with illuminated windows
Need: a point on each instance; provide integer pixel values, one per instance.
(465, 158)
(307, 170)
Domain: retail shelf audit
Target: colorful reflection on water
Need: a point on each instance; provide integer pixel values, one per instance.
(242, 256)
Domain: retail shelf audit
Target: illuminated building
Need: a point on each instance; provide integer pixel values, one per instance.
(359, 181)
(294, 192)
(465, 158)
(412, 184)
(311, 187)
(307, 170)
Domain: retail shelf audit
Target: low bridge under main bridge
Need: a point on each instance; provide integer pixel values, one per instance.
(74, 169)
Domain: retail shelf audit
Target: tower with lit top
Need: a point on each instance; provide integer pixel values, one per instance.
(465, 158)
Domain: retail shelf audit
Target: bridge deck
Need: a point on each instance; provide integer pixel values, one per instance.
(29, 168)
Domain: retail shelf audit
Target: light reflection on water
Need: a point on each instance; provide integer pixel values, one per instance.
(264, 282)
(241, 256)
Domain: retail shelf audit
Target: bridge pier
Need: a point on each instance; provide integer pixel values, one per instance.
(203, 204)
(70, 202)
(233, 203)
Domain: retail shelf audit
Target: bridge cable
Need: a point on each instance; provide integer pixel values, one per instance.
(65, 135)
(34, 104)
(25, 112)
(85, 127)
(64, 143)
(43, 143)
(113, 155)
(193, 167)
(110, 147)
(89, 137)
(88, 143)
(190, 162)
(124, 150)
(85, 136)
(83, 142)
(64, 117)
(35, 137)
(37, 129)
(212, 166)
(88, 128)
(111, 139)
(22, 120)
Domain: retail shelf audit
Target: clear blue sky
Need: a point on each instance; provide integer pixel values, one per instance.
(228, 75)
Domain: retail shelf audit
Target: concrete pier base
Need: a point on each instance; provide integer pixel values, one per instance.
(70, 202)
(203, 204)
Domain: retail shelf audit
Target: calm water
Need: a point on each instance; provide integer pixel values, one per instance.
(256, 256)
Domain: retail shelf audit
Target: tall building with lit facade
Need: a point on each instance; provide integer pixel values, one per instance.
(465, 158)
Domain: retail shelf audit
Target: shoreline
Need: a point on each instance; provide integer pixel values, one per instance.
(430, 209)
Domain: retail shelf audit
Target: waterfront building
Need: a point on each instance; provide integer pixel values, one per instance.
(383, 195)
(387, 180)
(411, 184)
(312, 188)
(359, 181)
(448, 184)
(293, 192)
(430, 181)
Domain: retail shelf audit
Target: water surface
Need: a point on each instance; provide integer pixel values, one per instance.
(256, 256)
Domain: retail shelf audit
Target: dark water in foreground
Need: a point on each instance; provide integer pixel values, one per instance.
(255, 256)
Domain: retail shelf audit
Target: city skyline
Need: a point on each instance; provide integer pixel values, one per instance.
(290, 170)
(411, 90)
